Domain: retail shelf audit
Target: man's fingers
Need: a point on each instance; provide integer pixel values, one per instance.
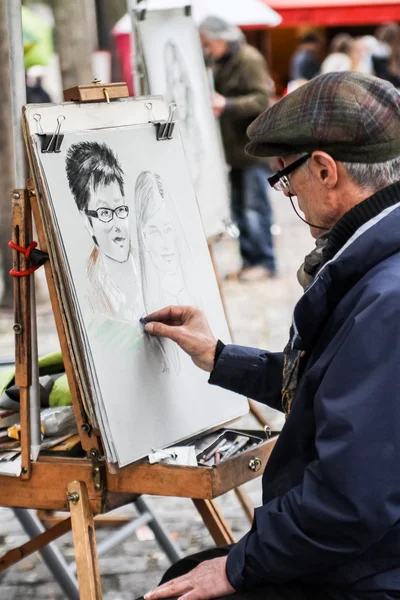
(169, 313)
(162, 330)
(176, 587)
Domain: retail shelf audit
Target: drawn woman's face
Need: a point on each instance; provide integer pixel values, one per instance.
(112, 237)
(160, 240)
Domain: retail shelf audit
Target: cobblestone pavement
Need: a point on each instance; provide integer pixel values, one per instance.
(259, 315)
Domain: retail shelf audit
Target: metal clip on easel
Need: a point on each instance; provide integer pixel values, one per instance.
(51, 142)
(164, 129)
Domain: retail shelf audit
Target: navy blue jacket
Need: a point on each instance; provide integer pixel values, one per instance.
(331, 488)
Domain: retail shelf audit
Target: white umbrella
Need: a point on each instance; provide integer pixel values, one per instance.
(237, 12)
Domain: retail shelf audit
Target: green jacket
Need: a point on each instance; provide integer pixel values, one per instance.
(243, 78)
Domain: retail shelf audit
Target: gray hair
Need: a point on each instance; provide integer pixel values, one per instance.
(374, 176)
(218, 29)
(370, 176)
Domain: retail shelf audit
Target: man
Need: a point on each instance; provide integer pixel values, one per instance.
(305, 63)
(96, 181)
(243, 90)
(329, 526)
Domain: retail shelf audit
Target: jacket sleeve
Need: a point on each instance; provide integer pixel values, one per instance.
(260, 88)
(256, 374)
(349, 497)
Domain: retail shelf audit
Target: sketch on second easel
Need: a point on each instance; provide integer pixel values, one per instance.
(180, 92)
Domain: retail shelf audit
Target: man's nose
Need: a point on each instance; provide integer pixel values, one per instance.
(116, 223)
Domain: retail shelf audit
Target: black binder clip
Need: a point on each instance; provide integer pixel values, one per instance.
(164, 129)
(51, 142)
(141, 12)
(188, 10)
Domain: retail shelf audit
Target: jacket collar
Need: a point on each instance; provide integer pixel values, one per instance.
(358, 215)
(370, 244)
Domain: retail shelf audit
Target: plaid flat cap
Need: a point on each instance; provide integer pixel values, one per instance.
(351, 116)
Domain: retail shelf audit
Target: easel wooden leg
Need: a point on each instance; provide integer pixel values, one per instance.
(215, 522)
(84, 542)
(245, 503)
(17, 554)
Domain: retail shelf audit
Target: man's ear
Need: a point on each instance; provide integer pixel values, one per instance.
(324, 169)
(87, 221)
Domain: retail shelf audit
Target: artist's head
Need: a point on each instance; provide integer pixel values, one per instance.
(96, 181)
(178, 82)
(156, 229)
(217, 35)
(339, 134)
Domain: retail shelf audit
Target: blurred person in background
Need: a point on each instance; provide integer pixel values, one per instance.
(305, 62)
(365, 47)
(386, 58)
(243, 90)
(35, 92)
(340, 54)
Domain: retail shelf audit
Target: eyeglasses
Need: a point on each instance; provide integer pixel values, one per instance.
(107, 214)
(280, 180)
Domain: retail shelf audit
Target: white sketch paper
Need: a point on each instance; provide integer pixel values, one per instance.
(175, 68)
(130, 235)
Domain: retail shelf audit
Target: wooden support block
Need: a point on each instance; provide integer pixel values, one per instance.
(17, 554)
(215, 522)
(87, 563)
(96, 92)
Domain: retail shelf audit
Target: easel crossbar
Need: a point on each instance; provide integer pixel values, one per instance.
(17, 554)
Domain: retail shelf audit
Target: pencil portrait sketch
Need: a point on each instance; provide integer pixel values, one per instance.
(164, 254)
(96, 181)
(127, 239)
(180, 92)
(114, 289)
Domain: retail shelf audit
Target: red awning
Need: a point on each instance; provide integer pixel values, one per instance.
(335, 12)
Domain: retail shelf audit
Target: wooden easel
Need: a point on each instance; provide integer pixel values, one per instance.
(84, 486)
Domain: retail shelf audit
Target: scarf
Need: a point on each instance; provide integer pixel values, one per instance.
(291, 355)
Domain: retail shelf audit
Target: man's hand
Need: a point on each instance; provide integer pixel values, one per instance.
(207, 580)
(189, 328)
(218, 104)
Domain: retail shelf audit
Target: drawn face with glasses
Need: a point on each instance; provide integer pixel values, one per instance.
(106, 218)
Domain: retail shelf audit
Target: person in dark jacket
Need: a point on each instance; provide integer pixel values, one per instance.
(305, 62)
(329, 526)
(243, 89)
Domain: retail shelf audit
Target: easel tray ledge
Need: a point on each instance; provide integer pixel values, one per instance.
(47, 487)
